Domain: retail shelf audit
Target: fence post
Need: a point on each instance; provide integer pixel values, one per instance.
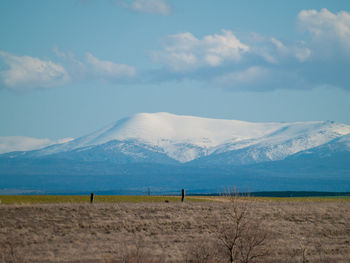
(182, 195)
(92, 195)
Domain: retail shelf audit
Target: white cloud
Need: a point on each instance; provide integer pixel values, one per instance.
(161, 7)
(25, 72)
(94, 68)
(107, 69)
(274, 51)
(302, 53)
(270, 49)
(20, 143)
(326, 28)
(223, 60)
(185, 52)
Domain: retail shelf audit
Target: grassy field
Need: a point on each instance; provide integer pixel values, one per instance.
(308, 199)
(48, 199)
(146, 229)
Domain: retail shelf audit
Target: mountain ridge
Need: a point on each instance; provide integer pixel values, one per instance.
(194, 139)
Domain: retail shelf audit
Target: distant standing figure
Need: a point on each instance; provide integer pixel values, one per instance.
(182, 195)
(92, 195)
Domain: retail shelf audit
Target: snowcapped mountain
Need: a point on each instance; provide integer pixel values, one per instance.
(165, 137)
(166, 150)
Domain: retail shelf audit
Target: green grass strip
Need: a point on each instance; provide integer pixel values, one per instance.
(49, 199)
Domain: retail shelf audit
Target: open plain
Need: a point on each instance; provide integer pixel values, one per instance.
(294, 231)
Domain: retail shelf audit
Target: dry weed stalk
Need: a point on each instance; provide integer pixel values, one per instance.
(241, 235)
(202, 252)
(137, 254)
(9, 253)
(303, 255)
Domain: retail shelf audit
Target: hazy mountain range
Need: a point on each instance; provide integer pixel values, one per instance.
(167, 151)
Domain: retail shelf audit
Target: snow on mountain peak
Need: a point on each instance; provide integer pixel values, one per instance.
(185, 138)
(161, 128)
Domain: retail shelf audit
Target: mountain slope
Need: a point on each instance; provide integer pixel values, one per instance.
(287, 141)
(337, 147)
(118, 152)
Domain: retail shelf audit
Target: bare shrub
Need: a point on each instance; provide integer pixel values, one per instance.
(241, 235)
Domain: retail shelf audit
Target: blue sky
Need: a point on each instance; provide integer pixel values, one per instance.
(69, 67)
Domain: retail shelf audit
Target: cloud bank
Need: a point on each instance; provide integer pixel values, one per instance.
(225, 59)
(254, 62)
(25, 73)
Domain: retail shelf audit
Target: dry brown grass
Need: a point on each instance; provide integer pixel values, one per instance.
(168, 232)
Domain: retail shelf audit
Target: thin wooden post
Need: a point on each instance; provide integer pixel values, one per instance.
(182, 195)
(92, 195)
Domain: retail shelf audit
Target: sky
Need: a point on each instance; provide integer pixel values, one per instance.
(70, 67)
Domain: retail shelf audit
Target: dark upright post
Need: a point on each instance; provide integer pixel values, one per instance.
(92, 195)
(183, 195)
